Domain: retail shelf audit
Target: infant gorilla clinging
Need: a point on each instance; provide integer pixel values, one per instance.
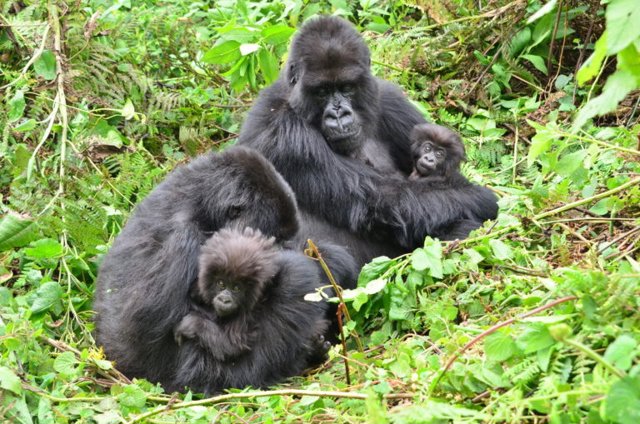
(249, 310)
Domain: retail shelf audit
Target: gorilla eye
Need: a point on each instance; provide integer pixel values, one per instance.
(440, 153)
(235, 288)
(427, 147)
(348, 89)
(322, 92)
(220, 284)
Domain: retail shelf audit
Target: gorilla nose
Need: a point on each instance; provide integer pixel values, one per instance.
(338, 118)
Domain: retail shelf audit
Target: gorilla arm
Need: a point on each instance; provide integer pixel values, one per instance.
(344, 191)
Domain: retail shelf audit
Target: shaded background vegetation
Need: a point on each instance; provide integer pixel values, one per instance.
(533, 319)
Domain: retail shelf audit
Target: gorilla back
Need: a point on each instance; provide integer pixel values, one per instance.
(143, 284)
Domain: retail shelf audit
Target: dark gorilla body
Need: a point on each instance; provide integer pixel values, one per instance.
(338, 135)
(143, 287)
(250, 311)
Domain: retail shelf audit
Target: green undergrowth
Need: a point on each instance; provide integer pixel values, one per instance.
(533, 319)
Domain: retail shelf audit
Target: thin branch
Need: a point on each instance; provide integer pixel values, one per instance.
(250, 395)
(492, 330)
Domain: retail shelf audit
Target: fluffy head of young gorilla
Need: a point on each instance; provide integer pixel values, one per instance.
(143, 284)
(437, 151)
(332, 88)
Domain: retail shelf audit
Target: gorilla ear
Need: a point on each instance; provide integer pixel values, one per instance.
(293, 73)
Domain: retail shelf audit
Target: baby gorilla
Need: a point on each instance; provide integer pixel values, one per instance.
(437, 152)
(250, 315)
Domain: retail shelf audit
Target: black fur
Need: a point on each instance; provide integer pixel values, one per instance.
(316, 125)
(273, 335)
(143, 285)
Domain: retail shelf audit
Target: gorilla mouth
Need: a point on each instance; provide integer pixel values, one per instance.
(345, 141)
(424, 168)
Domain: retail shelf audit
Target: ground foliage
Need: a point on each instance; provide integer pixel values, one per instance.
(535, 318)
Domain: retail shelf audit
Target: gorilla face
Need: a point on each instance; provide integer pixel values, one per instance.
(331, 84)
(430, 159)
(437, 151)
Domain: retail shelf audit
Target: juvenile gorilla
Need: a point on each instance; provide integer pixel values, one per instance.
(143, 285)
(326, 119)
(437, 153)
(250, 314)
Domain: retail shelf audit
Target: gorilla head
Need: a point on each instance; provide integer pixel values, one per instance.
(331, 84)
(234, 270)
(437, 151)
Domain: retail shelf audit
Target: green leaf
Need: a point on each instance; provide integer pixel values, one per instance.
(623, 18)
(27, 125)
(16, 107)
(540, 143)
(16, 231)
(47, 295)
(592, 66)
(544, 10)
(499, 346)
(45, 65)
(132, 396)
(537, 61)
(618, 85)
(569, 163)
(248, 48)
(226, 52)
(277, 34)
(268, 64)
(623, 401)
(10, 381)
(429, 257)
(536, 337)
(500, 250)
(45, 249)
(65, 364)
(128, 112)
(621, 352)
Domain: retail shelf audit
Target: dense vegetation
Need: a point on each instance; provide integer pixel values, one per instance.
(535, 318)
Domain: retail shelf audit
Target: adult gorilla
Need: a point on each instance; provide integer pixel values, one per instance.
(340, 137)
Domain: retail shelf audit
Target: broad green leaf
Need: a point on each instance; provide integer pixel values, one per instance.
(15, 231)
(540, 143)
(226, 52)
(45, 249)
(569, 163)
(360, 299)
(65, 364)
(519, 42)
(128, 112)
(277, 34)
(544, 10)
(629, 60)
(592, 66)
(537, 61)
(623, 18)
(47, 295)
(536, 337)
(16, 106)
(45, 65)
(27, 125)
(500, 249)
(268, 64)
(623, 401)
(248, 48)
(10, 381)
(618, 85)
(375, 286)
(132, 396)
(429, 257)
(621, 352)
(499, 346)
(602, 207)
(373, 269)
